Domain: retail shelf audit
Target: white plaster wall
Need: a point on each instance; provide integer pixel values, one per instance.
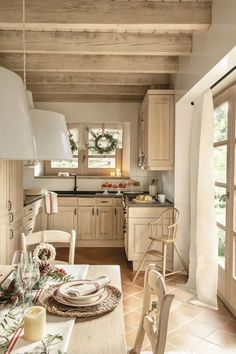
(209, 48)
(95, 112)
(214, 54)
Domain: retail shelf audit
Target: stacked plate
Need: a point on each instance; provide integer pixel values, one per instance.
(62, 295)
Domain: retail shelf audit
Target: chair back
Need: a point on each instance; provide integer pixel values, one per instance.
(51, 236)
(165, 227)
(155, 314)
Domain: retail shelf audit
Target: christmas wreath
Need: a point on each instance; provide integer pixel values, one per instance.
(44, 253)
(103, 143)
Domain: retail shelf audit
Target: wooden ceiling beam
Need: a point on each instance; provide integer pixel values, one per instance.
(85, 89)
(91, 63)
(38, 77)
(51, 97)
(97, 43)
(106, 14)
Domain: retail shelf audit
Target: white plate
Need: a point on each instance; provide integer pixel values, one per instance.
(59, 298)
(62, 290)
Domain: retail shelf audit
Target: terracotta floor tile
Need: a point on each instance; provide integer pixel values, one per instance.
(170, 348)
(175, 305)
(132, 318)
(131, 289)
(189, 310)
(176, 320)
(213, 319)
(205, 347)
(223, 338)
(132, 302)
(182, 295)
(183, 340)
(126, 309)
(230, 326)
(140, 295)
(198, 328)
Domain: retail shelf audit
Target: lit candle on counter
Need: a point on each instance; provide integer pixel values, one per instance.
(112, 174)
(118, 172)
(35, 323)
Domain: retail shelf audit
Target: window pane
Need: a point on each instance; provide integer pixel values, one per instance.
(221, 247)
(65, 163)
(220, 205)
(102, 162)
(220, 159)
(221, 122)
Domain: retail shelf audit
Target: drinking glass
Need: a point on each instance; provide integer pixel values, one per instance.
(19, 256)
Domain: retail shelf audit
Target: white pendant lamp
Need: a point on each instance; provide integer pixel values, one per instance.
(51, 135)
(16, 134)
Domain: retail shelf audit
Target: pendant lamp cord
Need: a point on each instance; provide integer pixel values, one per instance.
(23, 33)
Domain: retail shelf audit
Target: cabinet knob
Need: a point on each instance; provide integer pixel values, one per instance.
(115, 211)
(11, 234)
(9, 205)
(93, 211)
(11, 217)
(97, 211)
(75, 211)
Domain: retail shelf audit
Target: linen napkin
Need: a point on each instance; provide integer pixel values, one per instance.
(88, 288)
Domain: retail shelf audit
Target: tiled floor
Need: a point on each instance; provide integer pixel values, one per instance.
(191, 328)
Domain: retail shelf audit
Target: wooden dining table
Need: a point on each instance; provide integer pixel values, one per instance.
(99, 335)
(104, 334)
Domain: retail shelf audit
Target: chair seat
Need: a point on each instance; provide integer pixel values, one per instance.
(161, 239)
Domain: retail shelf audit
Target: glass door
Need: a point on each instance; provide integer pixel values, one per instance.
(225, 193)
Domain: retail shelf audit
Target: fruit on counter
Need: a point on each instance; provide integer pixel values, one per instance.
(121, 185)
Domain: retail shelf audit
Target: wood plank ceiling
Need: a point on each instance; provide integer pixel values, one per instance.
(98, 50)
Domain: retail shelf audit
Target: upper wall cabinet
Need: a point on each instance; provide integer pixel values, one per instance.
(156, 131)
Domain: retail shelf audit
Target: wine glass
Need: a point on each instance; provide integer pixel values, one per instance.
(19, 256)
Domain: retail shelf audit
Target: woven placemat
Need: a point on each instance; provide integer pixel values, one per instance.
(47, 300)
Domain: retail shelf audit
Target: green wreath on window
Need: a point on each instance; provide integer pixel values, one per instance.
(104, 143)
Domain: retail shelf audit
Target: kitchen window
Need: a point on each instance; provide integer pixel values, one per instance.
(86, 159)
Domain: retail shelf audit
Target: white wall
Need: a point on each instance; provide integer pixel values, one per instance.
(209, 48)
(214, 54)
(95, 112)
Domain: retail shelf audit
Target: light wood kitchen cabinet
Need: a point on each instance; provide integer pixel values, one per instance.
(64, 220)
(4, 235)
(13, 240)
(35, 218)
(156, 131)
(100, 222)
(4, 188)
(118, 223)
(11, 207)
(15, 190)
(104, 223)
(86, 223)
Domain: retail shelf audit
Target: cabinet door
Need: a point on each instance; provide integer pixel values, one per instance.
(13, 239)
(16, 189)
(86, 223)
(4, 234)
(160, 132)
(64, 220)
(104, 223)
(118, 223)
(4, 188)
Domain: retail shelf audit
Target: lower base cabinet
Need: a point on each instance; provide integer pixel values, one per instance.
(64, 220)
(97, 221)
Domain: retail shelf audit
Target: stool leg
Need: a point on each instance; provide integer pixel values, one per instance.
(181, 260)
(164, 261)
(142, 261)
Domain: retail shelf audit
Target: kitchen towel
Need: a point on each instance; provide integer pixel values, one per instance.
(51, 203)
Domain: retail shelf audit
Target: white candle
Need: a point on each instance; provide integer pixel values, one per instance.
(118, 172)
(112, 174)
(35, 323)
